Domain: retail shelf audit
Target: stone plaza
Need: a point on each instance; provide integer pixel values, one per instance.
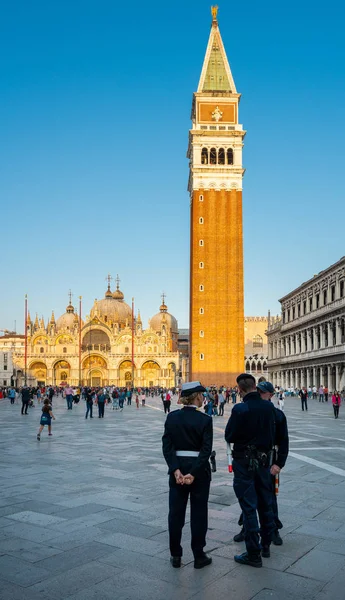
(83, 514)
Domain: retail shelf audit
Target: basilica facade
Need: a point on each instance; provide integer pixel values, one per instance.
(97, 352)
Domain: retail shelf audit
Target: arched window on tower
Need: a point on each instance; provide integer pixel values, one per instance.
(221, 156)
(213, 156)
(204, 156)
(257, 341)
(247, 367)
(230, 156)
(253, 367)
(259, 366)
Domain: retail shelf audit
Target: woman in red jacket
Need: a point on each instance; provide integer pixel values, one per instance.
(336, 400)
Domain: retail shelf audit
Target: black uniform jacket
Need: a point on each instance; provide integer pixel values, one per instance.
(282, 438)
(252, 423)
(188, 429)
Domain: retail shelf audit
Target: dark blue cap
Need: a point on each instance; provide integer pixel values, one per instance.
(266, 386)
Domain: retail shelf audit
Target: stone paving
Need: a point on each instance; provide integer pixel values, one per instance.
(83, 514)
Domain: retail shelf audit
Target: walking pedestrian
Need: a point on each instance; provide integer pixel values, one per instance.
(12, 395)
(336, 401)
(281, 398)
(46, 418)
(143, 398)
(221, 401)
(251, 428)
(89, 403)
(69, 397)
(122, 398)
(26, 395)
(321, 394)
(303, 394)
(325, 391)
(187, 446)
(101, 404)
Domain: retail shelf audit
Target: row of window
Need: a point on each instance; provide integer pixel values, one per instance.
(301, 309)
(216, 156)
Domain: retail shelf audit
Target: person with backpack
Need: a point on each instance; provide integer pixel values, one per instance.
(46, 419)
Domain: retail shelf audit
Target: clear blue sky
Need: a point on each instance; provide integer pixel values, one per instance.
(94, 117)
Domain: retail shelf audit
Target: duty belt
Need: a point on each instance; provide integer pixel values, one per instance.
(187, 453)
(254, 458)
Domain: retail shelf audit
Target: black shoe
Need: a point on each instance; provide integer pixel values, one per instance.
(239, 537)
(202, 561)
(265, 552)
(246, 559)
(276, 539)
(175, 561)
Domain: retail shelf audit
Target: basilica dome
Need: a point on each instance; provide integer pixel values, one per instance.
(67, 320)
(164, 318)
(112, 308)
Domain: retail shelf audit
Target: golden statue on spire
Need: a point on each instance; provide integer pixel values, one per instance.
(214, 11)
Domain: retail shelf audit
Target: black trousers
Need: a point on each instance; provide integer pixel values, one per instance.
(304, 403)
(198, 493)
(221, 409)
(277, 521)
(25, 406)
(254, 493)
(101, 409)
(336, 410)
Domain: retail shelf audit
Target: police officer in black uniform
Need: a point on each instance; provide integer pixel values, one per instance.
(251, 430)
(267, 391)
(187, 446)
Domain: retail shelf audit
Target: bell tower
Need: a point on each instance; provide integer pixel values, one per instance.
(216, 254)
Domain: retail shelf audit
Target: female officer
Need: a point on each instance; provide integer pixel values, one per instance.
(187, 445)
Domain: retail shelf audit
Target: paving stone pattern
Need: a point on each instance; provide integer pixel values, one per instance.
(83, 514)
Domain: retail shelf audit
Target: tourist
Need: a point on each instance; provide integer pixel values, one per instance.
(26, 396)
(129, 397)
(233, 396)
(314, 392)
(336, 400)
(281, 398)
(325, 391)
(101, 404)
(69, 397)
(12, 394)
(137, 399)
(143, 398)
(321, 394)
(221, 401)
(309, 393)
(304, 398)
(46, 418)
(89, 403)
(115, 397)
(122, 398)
